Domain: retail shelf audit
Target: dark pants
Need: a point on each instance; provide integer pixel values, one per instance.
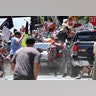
(11, 56)
(23, 78)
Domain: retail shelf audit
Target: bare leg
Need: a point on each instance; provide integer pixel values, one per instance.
(84, 70)
(1, 73)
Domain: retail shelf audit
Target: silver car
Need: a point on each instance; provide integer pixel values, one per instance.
(44, 56)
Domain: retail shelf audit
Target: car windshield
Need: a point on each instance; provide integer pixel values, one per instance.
(43, 46)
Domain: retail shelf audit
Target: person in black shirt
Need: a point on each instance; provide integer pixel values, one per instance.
(62, 35)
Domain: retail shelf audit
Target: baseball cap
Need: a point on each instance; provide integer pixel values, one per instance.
(30, 40)
(17, 32)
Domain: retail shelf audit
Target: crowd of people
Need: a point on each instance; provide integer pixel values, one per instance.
(24, 58)
(8, 50)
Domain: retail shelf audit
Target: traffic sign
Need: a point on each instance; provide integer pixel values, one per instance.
(93, 20)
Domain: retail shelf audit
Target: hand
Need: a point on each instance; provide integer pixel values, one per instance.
(23, 34)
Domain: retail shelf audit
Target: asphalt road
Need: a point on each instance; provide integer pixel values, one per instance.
(45, 73)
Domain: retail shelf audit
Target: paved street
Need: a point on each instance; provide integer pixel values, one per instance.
(59, 77)
(45, 73)
(48, 77)
(66, 45)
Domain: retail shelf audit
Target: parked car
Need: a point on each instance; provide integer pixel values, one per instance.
(82, 50)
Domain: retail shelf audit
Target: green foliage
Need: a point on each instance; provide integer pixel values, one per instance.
(42, 19)
(85, 18)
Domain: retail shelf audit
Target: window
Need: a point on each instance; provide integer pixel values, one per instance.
(85, 36)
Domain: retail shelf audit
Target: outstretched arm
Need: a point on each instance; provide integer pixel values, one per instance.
(20, 40)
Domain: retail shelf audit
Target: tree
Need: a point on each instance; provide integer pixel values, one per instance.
(85, 18)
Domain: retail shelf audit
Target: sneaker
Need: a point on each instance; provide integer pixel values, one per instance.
(79, 77)
(64, 75)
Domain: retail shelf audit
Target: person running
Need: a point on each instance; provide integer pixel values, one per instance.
(25, 62)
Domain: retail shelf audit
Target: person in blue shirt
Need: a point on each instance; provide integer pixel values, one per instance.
(15, 42)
